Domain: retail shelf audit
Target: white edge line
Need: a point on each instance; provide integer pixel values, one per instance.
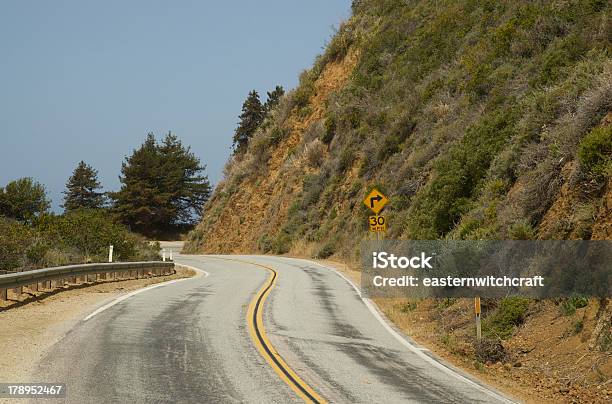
(417, 350)
(135, 292)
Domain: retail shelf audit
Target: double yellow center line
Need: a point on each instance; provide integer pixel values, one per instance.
(260, 339)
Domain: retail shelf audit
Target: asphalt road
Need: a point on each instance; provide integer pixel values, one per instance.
(190, 342)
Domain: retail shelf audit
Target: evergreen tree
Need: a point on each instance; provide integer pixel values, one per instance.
(253, 114)
(82, 189)
(162, 187)
(185, 188)
(137, 202)
(24, 200)
(274, 98)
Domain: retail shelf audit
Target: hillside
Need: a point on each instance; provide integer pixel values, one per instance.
(480, 120)
(470, 115)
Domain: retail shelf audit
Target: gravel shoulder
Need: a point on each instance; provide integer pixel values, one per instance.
(34, 324)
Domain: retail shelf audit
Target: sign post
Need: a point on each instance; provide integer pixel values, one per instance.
(477, 309)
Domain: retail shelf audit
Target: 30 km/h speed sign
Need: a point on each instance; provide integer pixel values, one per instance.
(377, 223)
(375, 201)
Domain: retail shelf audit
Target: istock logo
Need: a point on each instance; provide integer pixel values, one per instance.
(382, 260)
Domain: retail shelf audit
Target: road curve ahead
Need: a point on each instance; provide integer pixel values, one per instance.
(257, 329)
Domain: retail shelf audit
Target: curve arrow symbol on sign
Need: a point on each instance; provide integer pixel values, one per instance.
(376, 198)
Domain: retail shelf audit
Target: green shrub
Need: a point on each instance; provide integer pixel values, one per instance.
(326, 251)
(15, 240)
(282, 242)
(571, 304)
(595, 152)
(521, 231)
(577, 327)
(509, 314)
(392, 142)
(339, 44)
(345, 160)
(91, 232)
(265, 244)
(449, 195)
(313, 186)
(560, 54)
(80, 236)
(330, 130)
(407, 307)
(277, 134)
(446, 302)
(305, 90)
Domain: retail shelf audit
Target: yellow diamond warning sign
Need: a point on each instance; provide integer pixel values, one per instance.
(376, 201)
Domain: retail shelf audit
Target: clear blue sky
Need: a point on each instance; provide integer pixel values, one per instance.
(86, 80)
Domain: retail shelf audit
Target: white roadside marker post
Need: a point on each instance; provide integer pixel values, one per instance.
(110, 253)
(171, 255)
(478, 311)
(164, 255)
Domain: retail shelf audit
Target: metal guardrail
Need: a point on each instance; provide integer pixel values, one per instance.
(52, 278)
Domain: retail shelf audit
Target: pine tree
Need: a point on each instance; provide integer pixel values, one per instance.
(162, 187)
(137, 201)
(82, 189)
(253, 114)
(185, 188)
(274, 98)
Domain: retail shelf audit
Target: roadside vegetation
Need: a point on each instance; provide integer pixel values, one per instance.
(163, 190)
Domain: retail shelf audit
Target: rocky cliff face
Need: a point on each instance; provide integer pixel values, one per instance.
(476, 118)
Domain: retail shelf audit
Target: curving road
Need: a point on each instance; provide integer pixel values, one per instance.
(192, 342)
